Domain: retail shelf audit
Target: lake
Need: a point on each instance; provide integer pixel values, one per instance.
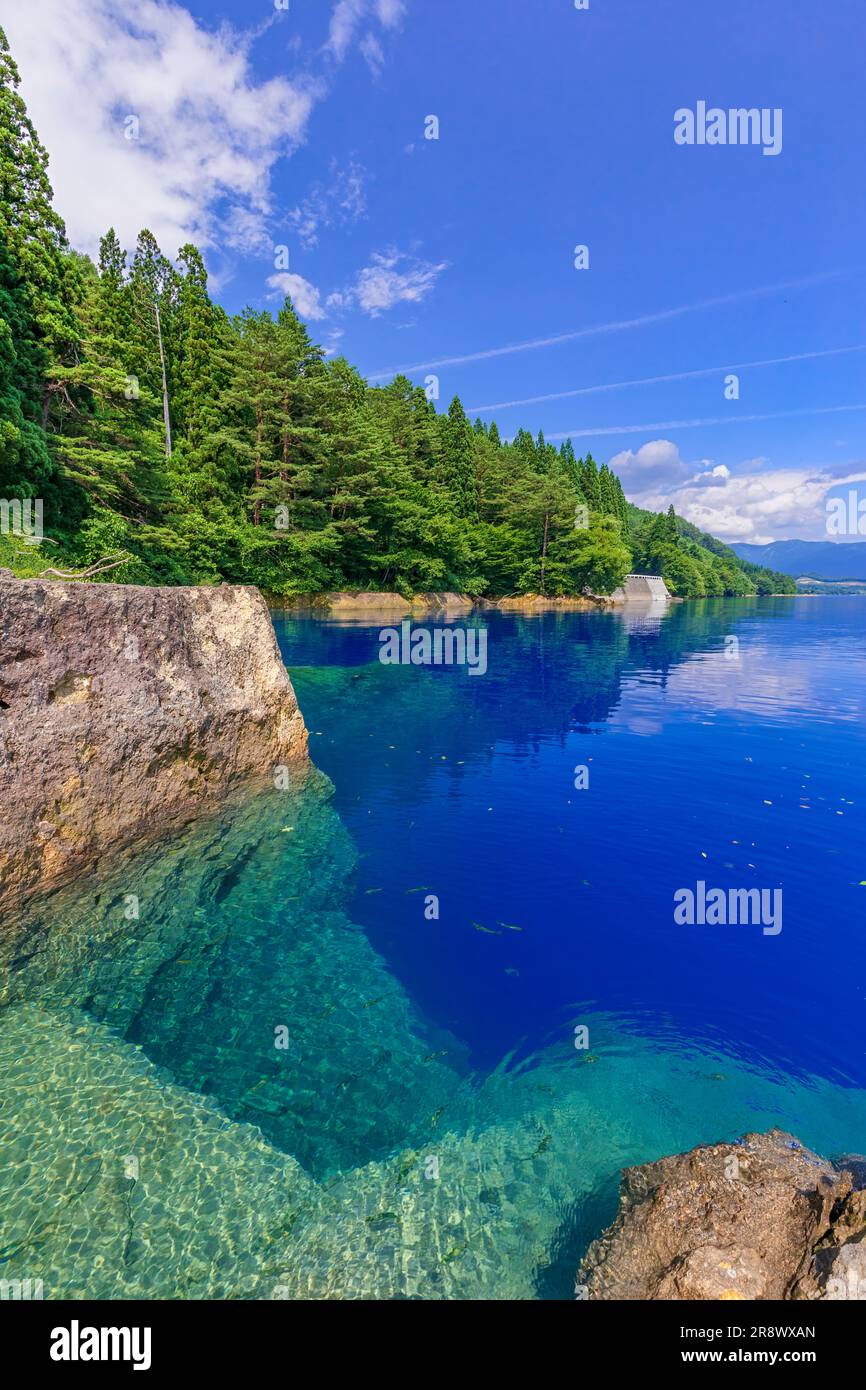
(394, 1030)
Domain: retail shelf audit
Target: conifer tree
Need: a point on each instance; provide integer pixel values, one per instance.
(458, 461)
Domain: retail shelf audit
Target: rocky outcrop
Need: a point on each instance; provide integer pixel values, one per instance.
(390, 605)
(124, 709)
(358, 605)
(539, 603)
(762, 1218)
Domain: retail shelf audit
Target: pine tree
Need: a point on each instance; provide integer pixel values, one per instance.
(109, 444)
(196, 332)
(458, 461)
(37, 326)
(589, 482)
(25, 463)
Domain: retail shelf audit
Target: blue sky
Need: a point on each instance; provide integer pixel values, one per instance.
(305, 128)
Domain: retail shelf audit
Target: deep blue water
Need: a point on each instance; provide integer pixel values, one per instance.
(741, 768)
(427, 1127)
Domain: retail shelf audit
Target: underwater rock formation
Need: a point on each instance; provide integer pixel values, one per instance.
(125, 709)
(362, 603)
(762, 1218)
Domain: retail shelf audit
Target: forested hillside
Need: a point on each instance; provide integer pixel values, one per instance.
(171, 443)
(693, 563)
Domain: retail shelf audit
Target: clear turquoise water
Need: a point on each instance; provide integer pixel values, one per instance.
(430, 1129)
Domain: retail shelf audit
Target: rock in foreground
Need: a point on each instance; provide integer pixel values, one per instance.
(762, 1218)
(123, 709)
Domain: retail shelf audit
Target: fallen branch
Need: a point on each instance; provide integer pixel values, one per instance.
(108, 562)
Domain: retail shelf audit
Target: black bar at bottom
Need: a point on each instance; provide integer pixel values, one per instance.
(167, 1339)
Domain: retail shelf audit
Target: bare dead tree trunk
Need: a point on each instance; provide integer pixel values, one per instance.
(544, 548)
(165, 411)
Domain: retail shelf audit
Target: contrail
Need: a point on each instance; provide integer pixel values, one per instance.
(697, 424)
(617, 326)
(658, 380)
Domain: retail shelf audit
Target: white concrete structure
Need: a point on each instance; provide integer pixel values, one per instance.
(643, 587)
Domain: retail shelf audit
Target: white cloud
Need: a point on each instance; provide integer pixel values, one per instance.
(373, 55)
(654, 465)
(390, 12)
(348, 17)
(304, 296)
(712, 477)
(209, 132)
(340, 201)
(753, 503)
(394, 277)
(332, 344)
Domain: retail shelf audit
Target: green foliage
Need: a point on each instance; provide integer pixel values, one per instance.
(213, 448)
(693, 564)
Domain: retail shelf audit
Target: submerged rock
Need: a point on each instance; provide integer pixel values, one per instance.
(762, 1218)
(540, 603)
(124, 709)
(363, 603)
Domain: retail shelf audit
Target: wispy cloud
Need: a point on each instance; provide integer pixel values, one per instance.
(338, 201)
(348, 18)
(372, 53)
(616, 326)
(671, 376)
(704, 423)
(393, 277)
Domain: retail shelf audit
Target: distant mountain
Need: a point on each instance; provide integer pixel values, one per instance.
(817, 559)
